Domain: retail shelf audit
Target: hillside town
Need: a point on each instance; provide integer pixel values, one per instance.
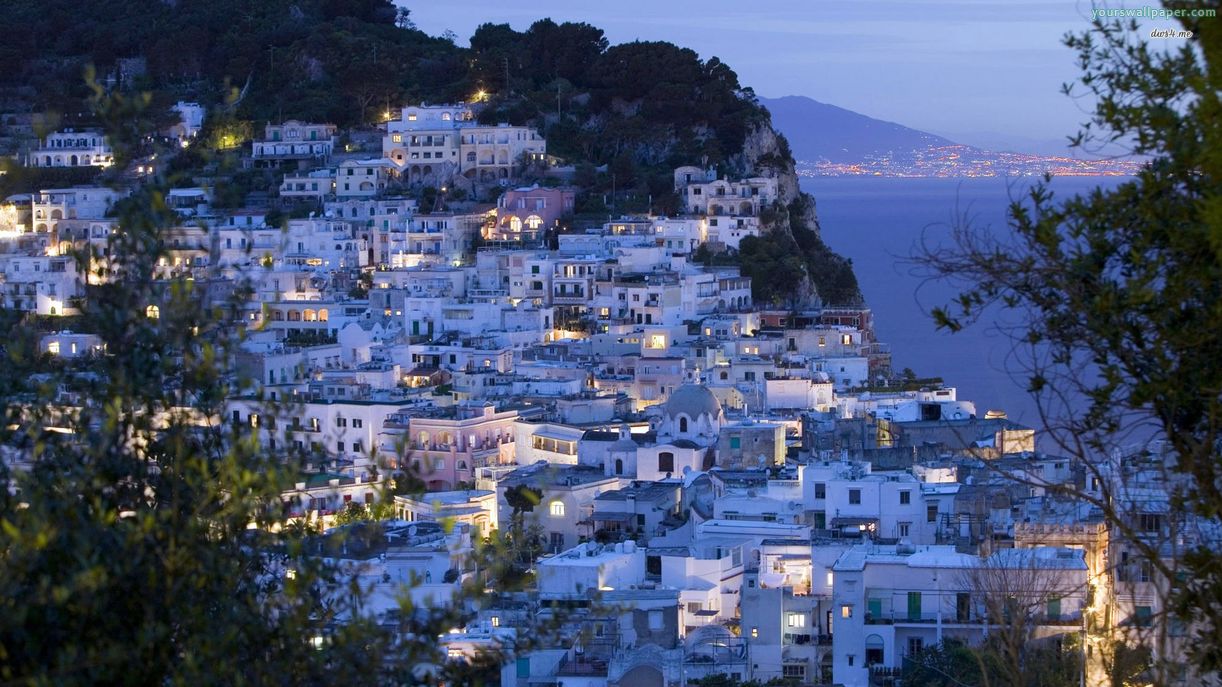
(707, 485)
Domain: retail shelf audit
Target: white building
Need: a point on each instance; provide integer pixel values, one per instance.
(890, 602)
(433, 144)
(294, 141)
(190, 121)
(70, 345)
(71, 148)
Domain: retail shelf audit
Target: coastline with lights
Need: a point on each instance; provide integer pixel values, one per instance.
(967, 161)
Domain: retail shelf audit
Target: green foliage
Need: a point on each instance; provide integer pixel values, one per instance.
(16, 178)
(955, 664)
(775, 266)
(126, 549)
(312, 59)
(831, 273)
(639, 108)
(522, 499)
(126, 542)
(358, 512)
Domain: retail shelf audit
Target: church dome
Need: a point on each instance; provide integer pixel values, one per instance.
(692, 400)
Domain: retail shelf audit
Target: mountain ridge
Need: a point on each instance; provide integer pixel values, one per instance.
(842, 135)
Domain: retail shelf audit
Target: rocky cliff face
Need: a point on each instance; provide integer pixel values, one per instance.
(766, 153)
(828, 277)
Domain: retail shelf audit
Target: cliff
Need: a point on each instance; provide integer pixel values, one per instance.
(792, 228)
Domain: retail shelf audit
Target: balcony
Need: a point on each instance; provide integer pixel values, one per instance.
(903, 618)
(582, 666)
(561, 298)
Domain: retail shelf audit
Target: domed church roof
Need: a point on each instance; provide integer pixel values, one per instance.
(692, 400)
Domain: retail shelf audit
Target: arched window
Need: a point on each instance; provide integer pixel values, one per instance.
(152, 312)
(619, 466)
(322, 315)
(515, 224)
(534, 221)
(874, 650)
(424, 439)
(310, 316)
(683, 424)
(666, 462)
(556, 509)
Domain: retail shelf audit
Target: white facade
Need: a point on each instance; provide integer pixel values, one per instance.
(294, 140)
(70, 148)
(890, 602)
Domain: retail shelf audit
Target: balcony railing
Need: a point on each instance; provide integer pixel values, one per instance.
(903, 618)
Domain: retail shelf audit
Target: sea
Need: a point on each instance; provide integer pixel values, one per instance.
(879, 223)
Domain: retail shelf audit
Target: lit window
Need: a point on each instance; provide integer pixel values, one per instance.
(795, 619)
(496, 621)
(53, 348)
(152, 312)
(557, 509)
(755, 633)
(846, 611)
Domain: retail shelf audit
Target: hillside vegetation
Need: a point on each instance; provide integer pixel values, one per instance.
(624, 115)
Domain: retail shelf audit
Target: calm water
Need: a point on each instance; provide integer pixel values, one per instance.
(876, 222)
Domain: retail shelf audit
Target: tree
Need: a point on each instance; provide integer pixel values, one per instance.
(1015, 589)
(403, 18)
(950, 663)
(1121, 296)
(126, 515)
(124, 532)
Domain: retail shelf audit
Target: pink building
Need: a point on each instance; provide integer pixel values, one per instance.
(524, 213)
(446, 445)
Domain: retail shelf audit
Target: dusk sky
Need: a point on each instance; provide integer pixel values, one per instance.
(978, 71)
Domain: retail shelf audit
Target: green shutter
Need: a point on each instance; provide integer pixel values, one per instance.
(1054, 608)
(914, 605)
(875, 609)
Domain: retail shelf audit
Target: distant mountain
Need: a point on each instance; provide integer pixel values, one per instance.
(818, 131)
(1012, 143)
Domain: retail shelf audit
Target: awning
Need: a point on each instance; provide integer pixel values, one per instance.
(557, 435)
(614, 517)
